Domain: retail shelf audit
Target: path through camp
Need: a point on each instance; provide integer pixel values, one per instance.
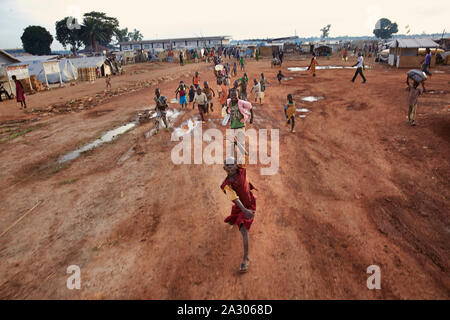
(356, 186)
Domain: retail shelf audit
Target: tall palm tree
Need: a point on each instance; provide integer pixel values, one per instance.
(92, 31)
(98, 28)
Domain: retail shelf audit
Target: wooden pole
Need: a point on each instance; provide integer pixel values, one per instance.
(18, 220)
(60, 79)
(46, 80)
(31, 85)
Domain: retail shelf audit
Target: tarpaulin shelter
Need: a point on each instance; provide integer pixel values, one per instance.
(323, 50)
(105, 66)
(48, 69)
(20, 71)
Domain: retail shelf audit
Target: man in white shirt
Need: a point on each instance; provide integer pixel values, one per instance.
(359, 67)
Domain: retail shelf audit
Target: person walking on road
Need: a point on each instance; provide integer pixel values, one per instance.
(359, 68)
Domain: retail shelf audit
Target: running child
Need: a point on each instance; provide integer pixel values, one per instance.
(223, 96)
(239, 191)
(161, 108)
(280, 76)
(289, 111)
(196, 80)
(258, 92)
(108, 82)
(202, 101)
(209, 94)
(182, 91)
(191, 95)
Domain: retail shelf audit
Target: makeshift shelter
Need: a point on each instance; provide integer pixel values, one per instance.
(404, 53)
(87, 64)
(21, 73)
(265, 51)
(48, 69)
(6, 58)
(323, 50)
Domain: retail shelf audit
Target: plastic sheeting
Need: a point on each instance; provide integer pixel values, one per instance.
(68, 67)
(36, 67)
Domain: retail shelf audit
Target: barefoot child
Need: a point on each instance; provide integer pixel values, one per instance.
(239, 191)
(182, 91)
(191, 95)
(196, 80)
(223, 96)
(258, 92)
(108, 82)
(279, 77)
(209, 94)
(161, 107)
(202, 101)
(289, 111)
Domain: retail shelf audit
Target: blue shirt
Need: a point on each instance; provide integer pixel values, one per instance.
(428, 59)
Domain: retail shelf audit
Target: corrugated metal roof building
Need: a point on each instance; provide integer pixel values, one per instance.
(404, 53)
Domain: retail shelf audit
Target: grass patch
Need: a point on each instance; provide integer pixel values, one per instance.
(70, 181)
(16, 134)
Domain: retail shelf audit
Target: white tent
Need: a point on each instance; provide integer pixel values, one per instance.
(87, 62)
(67, 72)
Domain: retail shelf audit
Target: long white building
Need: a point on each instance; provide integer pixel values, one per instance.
(179, 43)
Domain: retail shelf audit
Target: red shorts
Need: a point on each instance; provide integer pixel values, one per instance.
(238, 218)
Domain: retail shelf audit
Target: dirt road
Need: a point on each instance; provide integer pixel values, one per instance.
(356, 186)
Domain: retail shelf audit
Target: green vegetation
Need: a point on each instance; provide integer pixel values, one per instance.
(15, 134)
(70, 181)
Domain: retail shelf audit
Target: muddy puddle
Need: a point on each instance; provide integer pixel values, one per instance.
(144, 116)
(107, 137)
(312, 99)
(186, 127)
(172, 115)
(294, 69)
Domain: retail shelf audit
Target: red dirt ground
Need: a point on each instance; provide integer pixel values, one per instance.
(356, 187)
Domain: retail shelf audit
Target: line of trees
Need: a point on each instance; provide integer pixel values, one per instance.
(96, 29)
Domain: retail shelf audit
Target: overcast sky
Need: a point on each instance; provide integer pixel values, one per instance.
(240, 19)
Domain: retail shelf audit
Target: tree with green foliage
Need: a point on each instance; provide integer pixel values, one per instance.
(98, 28)
(384, 28)
(325, 31)
(121, 35)
(36, 40)
(135, 35)
(67, 35)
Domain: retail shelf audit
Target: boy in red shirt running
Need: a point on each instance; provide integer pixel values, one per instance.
(238, 190)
